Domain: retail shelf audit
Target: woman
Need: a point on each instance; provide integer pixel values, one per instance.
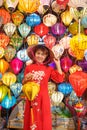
(40, 72)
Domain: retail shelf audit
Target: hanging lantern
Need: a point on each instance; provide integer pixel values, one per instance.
(65, 88)
(85, 54)
(77, 3)
(8, 102)
(65, 42)
(62, 2)
(56, 98)
(51, 87)
(66, 17)
(24, 29)
(79, 107)
(17, 17)
(22, 55)
(1, 52)
(4, 65)
(9, 29)
(10, 52)
(16, 65)
(78, 45)
(10, 5)
(33, 19)
(16, 88)
(66, 63)
(49, 40)
(49, 19)
(31, 90)
(42, 9)
(41, 29)
(78, 80)
(16, 41)
(8, 78)
(1, 2)
(83, 65)
(1, 21)
(45, 2)
(58, 29)
(3, 92)
(4, 40)
(55, 6)
(84, 21)
(5, 15)
(33, 39)
(29, 6)
(20, 77)
(74, 68)
(58, 50)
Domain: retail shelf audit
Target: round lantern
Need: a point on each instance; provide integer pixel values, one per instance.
(29, 6)
(58, 29)
(10, 52)
(83, 65)
(49, 19)
(5, 15)
(16, 65)
(22, 55)
(58, 50)
(4, 40)
(65, 88)
(8, 102)
(78, 80)
(41, 29)
(56, 98)
(62, 2)
(4, 65)
(24, 29)
(16, 41)
(55, 7)
(49, 40)
(17, 17)
(66, 63)
(78, 45)
(8, 78)
(66, 17)
(51, 87)
(3, 92)
(1, 52)
(33, 19)
(9, 29)
(16, 88)
(33, 39)
(74, 68)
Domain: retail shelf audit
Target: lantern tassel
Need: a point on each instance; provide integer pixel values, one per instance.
(32, 115)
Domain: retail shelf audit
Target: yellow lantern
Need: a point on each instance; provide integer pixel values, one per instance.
(78, 45)
(29, 6)
(8, 78)
(1, 52)
(32, 39)
(3, 92)
(4, 65)
(66, 17)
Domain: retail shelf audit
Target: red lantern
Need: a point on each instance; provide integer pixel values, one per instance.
(78, 81)
(4, 40)
(62, 2)
(41, 29)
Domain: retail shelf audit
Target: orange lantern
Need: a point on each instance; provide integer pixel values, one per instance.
(5, 15)
(4, 65)
(4, 40)
(78, 80)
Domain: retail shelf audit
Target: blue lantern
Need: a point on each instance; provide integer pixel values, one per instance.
(16, 88)
(65, 88)
(84, 21)
(8, 102)
(33, 20)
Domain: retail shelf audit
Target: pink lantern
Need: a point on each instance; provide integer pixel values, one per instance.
(49, 40)
(16, 65)
(66, 63)
(45, 2)
(58, 29)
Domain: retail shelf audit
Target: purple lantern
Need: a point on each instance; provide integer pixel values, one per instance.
(83, 65)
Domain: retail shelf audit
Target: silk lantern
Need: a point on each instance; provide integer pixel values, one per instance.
(83, 65)
(8, 78)
(4, 40)
(41, 29)
(16, 65)
(56, 98)
(65, 88)
(62, 2)
(4, 66)
(51, 87)
(16, 88)
(55, 7)
(49, 40)
(49, 19)
(84, 21)
(33, 19)
(85, 54)
(1, 21)
(29, 6)
(58, 29)
(66, 63)
(1, 52)
(17, 17)
(20, 77)
(8, 102)
(10, 52)
(45, 2)
(74, 68)
(5, 15)
(1, 2)
(9, 29)
(78, 80)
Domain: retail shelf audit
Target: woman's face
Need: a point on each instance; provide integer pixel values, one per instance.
(40, 56)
